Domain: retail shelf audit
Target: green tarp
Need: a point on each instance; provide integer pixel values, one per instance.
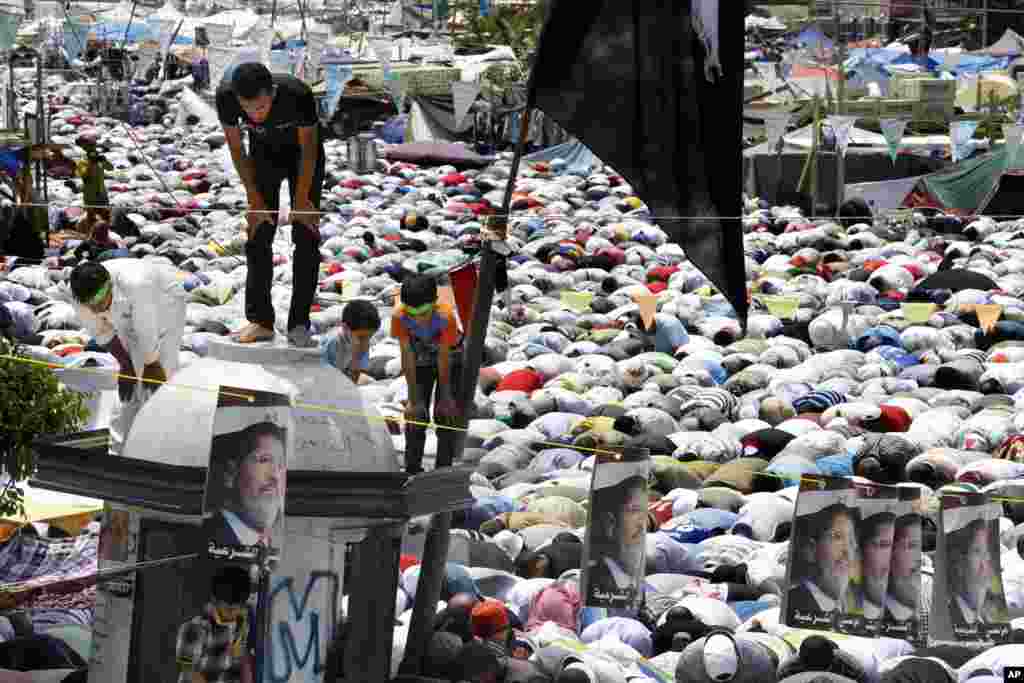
(966, 185)
(8, 30)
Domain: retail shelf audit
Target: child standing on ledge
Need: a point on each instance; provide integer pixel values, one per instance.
(431, 355)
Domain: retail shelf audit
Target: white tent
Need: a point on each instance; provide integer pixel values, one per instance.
(119, 14)
(1010, 44)
(243, 22)
(168, 12)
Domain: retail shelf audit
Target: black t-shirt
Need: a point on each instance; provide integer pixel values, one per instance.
(277, 137)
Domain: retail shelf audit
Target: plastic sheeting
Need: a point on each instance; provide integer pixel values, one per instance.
(577, 156)
(966, 185)
(192, 105)
(883, 195)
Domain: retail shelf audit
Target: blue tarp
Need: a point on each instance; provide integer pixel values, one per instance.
(138, 31)
(978, 63)
(812, 37)
(963, 63)
(578, 157)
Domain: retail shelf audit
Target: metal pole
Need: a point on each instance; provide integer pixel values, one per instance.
(263, 619)
(435, 552)
(128, 28)
(984, 24)
(273, 18)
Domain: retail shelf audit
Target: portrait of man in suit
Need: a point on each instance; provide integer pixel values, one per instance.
(972, 565)
(245, 488)
(874, 539)
(618, 534)
(903, 592)
(822, 556)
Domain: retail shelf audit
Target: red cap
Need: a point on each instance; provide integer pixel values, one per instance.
(894, 419)
(488, 618)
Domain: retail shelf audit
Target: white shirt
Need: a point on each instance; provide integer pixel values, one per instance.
(621, 578)
(899, 611)
(825, 603)
(971, 616)
(247, 536)
(872, 610)
(143, 292)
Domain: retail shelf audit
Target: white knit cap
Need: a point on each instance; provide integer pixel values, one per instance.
(509, 541)
(721, 660)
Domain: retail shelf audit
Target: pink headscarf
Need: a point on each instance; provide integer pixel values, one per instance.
(559, 602)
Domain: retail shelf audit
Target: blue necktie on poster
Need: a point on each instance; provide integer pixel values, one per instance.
(485, 8)
(960, 134)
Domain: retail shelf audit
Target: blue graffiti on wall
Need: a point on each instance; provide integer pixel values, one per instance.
(286, 657)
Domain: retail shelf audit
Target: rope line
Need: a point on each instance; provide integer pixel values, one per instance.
(98, 441)
(512, 216)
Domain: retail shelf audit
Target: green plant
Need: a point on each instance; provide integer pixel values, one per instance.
(516, 25)
(32, 404)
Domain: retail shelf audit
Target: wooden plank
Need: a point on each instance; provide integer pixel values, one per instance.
(372, 606)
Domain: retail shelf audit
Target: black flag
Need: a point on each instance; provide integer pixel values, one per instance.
(628, 79)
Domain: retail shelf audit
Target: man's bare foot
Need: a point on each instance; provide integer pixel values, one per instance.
(252, 333)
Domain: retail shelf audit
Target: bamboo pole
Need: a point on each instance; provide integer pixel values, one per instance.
(805, 175)
(815, 139)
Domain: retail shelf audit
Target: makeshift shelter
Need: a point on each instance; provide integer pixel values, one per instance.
(991, 84)
(1011, 44)
(244, 23)
(67, 512)
(768, 178)
(883, 194)
(577, 157)
(978, 185)
(121, 23)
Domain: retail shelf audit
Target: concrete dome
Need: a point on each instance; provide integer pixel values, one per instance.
(175, 425)
(336, 428)
(333, 429)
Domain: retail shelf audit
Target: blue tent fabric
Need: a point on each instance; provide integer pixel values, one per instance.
(965, 63)
(578, 157)
(812, 37)
(138, 31)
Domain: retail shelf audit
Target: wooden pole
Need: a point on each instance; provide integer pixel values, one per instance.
(984, 24)
(435, 551)
(128, 28)
(841, 110)
(815, 134)
(167, 56)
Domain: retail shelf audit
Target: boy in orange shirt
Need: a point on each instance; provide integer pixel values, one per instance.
(431, 354)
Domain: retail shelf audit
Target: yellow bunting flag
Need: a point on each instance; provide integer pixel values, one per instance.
(918, 313)
(577, 301)
(781, 306)
(988, 315)
(648, 307)
(349, 289)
